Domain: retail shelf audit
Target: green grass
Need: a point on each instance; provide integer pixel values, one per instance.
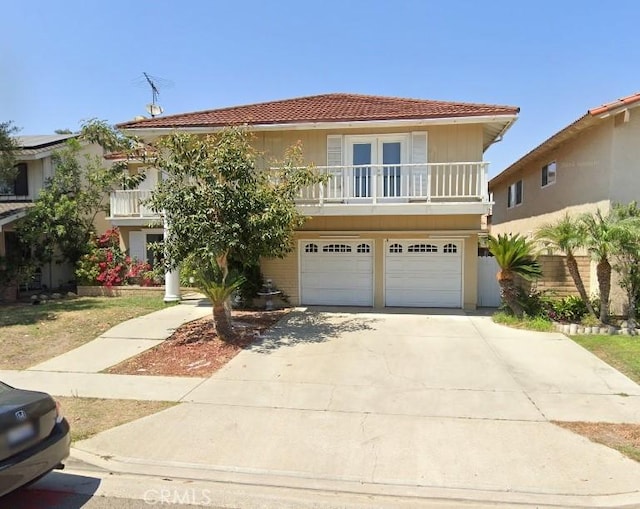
(630, 451)
(621, 352)
(89, 416)
(32, 334)
(531, 323)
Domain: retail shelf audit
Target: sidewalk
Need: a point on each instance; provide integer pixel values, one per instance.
(77, 373)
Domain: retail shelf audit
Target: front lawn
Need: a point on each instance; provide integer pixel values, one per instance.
(621, 352)
(89, 416)
(30, 334)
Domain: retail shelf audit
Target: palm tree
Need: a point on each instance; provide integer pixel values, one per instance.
(566, 236)
(601, 235)
(515, 256)
(627, 255)
(215, 286)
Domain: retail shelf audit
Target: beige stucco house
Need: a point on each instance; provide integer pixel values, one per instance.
(35, 166)
(591, 164)
(397, 223)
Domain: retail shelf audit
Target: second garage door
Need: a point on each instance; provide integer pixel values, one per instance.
(423, 273)
(336, 273)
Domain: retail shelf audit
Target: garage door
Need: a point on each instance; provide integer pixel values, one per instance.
(336, 273)
(423, 273)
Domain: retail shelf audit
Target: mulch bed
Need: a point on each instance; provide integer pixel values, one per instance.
(624, 437)
(195, 350)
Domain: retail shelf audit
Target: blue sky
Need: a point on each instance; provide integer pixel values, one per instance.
(61, 62)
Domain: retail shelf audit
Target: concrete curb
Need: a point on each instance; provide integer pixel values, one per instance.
(310, 489)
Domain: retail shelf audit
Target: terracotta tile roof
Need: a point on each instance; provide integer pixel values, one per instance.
(324, 108)
(624, 101)
(587, 120)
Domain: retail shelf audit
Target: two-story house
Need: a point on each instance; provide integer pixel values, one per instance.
(591, 164)
(397, 223)
(35, 166)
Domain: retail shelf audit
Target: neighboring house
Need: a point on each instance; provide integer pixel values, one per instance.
(35, 165)
(398, 222)
(592, 163)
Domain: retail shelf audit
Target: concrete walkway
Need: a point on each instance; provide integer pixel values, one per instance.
(402, 404)
(77, 373)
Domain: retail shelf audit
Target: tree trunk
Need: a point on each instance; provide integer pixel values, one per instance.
(222, 323)
(631, 311)
(509, 293)
(572, 267)
(603, 271)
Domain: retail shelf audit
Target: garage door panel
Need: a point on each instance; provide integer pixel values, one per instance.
(432, 278)
(424, 298)
(338, 297)
(337, 277)
(427, 285)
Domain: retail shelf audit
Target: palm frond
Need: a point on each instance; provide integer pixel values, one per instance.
(515, 254)
(564, 235)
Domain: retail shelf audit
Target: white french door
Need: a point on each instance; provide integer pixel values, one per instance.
(372, 157)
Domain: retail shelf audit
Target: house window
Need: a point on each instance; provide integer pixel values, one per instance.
(450, 248)
(549, 174)
(395, 248)
(336, 248)
(514, 196)
(311, 248)
(19, 186)
(422, 248)
(364, 248)
(154, 255)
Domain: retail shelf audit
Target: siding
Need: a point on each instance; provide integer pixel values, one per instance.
(445, 143)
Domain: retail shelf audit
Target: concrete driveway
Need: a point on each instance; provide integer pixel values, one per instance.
(408, 404)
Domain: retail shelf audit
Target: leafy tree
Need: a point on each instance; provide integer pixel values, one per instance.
(63, 131)
(8, 149)
(567, 235)
(515, 256)
(627, 254)
(600, 240)
(62, 218)
(220, 208)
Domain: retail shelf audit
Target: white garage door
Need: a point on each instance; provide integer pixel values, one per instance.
(336, 272)
(423, 273)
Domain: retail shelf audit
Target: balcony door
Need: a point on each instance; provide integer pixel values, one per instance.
(381, 156)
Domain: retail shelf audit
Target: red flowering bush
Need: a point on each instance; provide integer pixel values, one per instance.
(107, 264)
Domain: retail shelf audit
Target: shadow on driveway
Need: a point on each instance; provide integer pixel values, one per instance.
(312, 326)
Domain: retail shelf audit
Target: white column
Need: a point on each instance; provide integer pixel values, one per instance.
(171, 277)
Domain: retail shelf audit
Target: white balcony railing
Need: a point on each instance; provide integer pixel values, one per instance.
(450, 182)
(464, 182)
(128, 204)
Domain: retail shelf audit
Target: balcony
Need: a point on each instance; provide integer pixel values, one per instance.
(426, 188)
(127, 207)
(432, 188)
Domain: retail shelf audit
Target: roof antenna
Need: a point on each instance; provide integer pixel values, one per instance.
(153, 108)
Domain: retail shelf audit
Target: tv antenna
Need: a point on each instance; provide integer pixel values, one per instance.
(154, 82)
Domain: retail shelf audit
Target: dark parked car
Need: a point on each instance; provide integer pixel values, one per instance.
(34, 437)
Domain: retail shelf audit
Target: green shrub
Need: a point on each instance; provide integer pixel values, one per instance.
(536, 323)
(534, 302)
(568, 309)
